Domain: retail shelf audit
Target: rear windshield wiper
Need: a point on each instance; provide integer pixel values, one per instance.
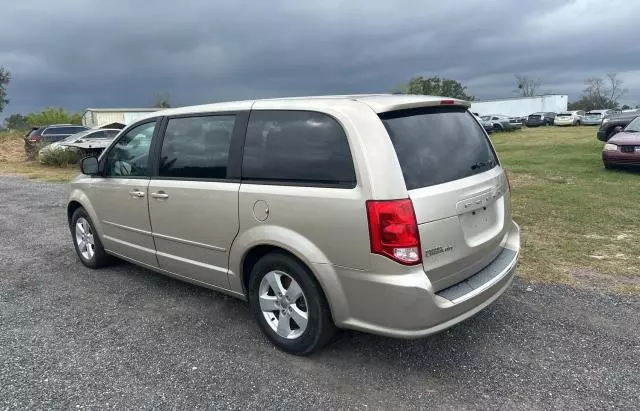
(481, 164)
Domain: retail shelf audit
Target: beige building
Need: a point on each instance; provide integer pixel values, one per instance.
(113, 117)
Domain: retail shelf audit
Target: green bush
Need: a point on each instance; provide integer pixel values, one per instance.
(60, 158)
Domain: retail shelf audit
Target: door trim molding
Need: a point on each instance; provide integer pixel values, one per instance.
(189, 242)
(159, 270)
(126, 227)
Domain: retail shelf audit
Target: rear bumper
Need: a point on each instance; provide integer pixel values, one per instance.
(621, 159)
(405, 306)
(591, 122)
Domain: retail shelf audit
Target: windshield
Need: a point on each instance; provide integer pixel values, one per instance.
(565, 115)
(74, 137)
(436, 145)
(634, 126)
(594, 114)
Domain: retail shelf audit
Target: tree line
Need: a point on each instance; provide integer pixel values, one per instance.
(599, 92)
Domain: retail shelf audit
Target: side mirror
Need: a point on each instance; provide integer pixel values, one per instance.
(617, 129)
(89, 166)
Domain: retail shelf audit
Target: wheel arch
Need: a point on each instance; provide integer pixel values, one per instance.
(255, 243)
(79, 199)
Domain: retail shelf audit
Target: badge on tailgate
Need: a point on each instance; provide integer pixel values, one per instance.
(480, 200)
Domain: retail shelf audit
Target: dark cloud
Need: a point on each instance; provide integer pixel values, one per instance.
(91, 53)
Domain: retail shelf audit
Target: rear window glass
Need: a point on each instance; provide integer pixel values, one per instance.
(35, 132)
(437, 145)
(297, 147)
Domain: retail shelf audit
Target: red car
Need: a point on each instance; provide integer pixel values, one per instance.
(623, 149)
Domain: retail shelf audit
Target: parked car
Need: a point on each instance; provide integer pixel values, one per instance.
(540, 119)
(297, 206)
(485, 124)
(610, 122)
(48, 134)
(594, 117)
(89, 141)
(516, 122)
(623, 148)
(501, 122)
(569, 118)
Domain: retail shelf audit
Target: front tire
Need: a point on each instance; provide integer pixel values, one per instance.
(289, 305)
(86, 241)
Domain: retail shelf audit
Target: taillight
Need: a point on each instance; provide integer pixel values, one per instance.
(34, 139)
(393, 230)
(447, 102)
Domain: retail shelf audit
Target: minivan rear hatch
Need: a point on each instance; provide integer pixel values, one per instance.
(459, 191)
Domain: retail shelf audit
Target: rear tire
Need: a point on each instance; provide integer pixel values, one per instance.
(280, 287)
(86, 241)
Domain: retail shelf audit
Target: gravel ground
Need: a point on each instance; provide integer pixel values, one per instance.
(125, 337)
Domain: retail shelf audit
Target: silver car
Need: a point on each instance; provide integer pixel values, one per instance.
(501, 122)
(88, 140)
(387, 214)
(594, 117)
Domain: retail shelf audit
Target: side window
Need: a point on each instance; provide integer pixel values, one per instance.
(129, 157)
(495, 118)
(51, 131)
(110, 133)
(299, 147)
(196, 147)
(97, 134)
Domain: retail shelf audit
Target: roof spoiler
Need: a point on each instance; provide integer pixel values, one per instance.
(428, 103)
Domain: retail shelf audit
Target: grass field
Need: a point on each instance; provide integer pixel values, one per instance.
(12, 162)
(580, 223)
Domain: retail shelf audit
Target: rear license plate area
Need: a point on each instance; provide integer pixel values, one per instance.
(479, 219)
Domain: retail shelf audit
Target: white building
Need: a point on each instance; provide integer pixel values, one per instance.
(100, 117)
(522, 106)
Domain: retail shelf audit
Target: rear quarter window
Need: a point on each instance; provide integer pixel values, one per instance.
(297, 148)
(438, 144)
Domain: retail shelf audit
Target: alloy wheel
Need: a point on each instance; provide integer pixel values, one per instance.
(84, 239)
(283, 304)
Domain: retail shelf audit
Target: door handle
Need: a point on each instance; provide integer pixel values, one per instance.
(160, 195)
(135, 193)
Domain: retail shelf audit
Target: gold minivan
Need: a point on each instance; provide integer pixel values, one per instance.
(388, 214)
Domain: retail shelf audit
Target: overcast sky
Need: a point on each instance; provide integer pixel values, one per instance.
(119, 53)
